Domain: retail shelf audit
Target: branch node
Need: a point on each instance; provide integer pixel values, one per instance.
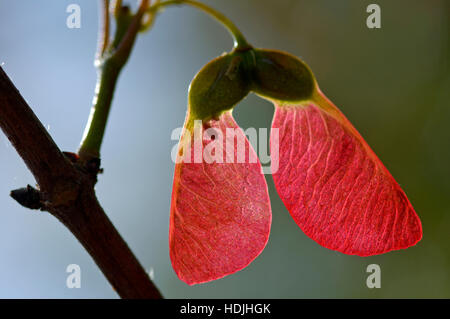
(28, 197)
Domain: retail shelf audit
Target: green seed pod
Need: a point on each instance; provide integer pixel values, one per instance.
(218, 86)
(280, 76)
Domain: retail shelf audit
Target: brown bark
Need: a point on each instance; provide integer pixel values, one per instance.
(67, 192)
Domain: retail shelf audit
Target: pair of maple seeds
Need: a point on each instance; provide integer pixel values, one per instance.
(334, 186)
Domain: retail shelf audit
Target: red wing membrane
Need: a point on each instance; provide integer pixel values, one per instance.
(335, 187)
(220, 212)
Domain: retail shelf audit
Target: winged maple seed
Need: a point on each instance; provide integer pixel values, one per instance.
(220, 212)
(334, 186)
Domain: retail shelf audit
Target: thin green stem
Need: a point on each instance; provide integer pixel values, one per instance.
(95, 129)
(240, 43)
(109, 64)
(103, 37)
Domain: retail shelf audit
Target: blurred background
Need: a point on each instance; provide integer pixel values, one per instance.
(392, 83)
